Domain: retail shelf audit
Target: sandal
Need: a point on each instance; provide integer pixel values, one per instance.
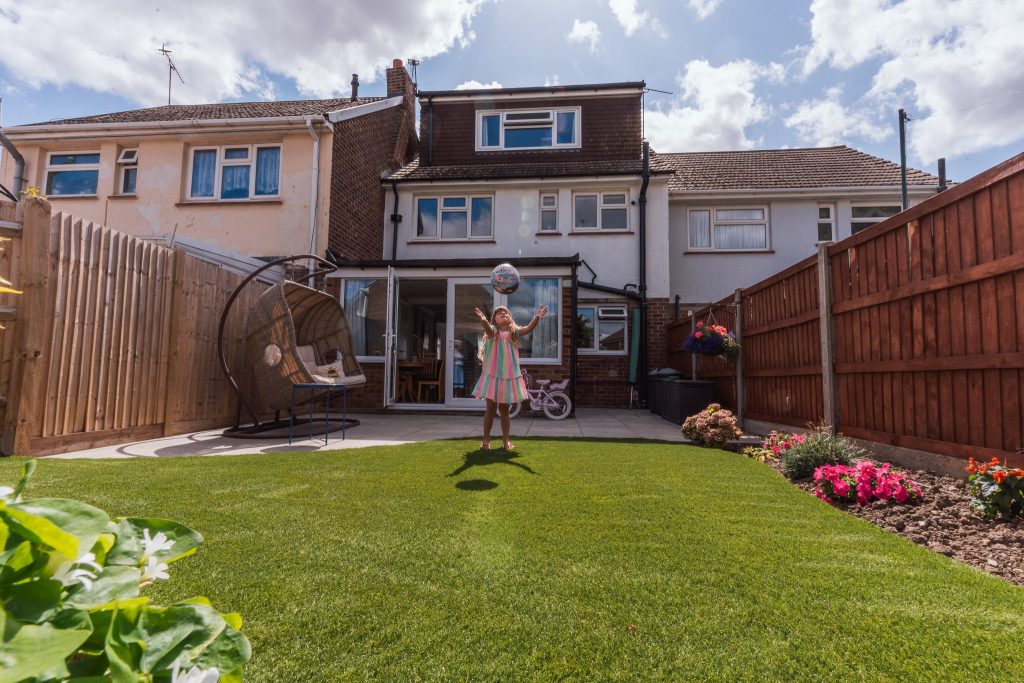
(508, 446)
(485, 446)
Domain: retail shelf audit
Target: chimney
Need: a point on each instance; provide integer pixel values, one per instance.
(400, 85)
(355, 87)
(942, 175)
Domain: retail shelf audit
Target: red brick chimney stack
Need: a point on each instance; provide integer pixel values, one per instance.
(400, 84)
(355, 87)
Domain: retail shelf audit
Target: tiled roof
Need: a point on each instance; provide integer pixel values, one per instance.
(413, 171)
(226, 110)
(769, 169)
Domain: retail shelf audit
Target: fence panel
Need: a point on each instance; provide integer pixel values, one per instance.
(722, 372)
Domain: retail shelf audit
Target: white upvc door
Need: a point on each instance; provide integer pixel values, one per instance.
(465, 337)
(390, 339)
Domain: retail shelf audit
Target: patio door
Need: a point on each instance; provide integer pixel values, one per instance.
(390, 339)
(465, 337)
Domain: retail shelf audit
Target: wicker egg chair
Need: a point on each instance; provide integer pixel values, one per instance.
(298, 335)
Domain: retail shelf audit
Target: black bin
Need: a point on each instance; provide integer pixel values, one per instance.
(680, 398)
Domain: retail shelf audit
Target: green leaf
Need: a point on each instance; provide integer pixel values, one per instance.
(30, 650)
(41, 530)
(175, 630)
(234, 620)
(124, 642)
(26, 473)
(228, 652)
(72, 516)
(102, 546)
(17, 562)
(128, 548)
(112, 583)
(33, 602)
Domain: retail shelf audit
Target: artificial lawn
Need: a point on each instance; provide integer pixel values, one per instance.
(569, 560)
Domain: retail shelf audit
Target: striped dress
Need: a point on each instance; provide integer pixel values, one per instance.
(501, 379)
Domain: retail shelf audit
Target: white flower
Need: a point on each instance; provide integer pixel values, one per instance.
(196, 675)
(70, 573)
(154, 569)
(154, 545)
(6, 492)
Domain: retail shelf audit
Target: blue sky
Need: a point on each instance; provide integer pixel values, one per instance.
(744, 75)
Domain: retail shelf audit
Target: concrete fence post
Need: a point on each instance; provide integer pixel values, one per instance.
(827, 334)
(738, 330)
(693, 356)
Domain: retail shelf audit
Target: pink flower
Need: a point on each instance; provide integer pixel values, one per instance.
(698, 335)
(841, 488)
(700, 324)
(900, 495)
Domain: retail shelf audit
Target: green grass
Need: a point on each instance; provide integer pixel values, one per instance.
(437, 562)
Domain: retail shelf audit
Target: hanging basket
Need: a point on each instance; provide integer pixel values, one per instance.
(712, 340)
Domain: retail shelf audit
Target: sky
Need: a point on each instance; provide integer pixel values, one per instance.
(734, 74)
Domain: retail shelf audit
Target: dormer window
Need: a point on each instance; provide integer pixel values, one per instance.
(520, 129)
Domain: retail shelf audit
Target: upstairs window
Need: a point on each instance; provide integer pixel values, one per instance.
(549, 212)
(601, 211)
(454, 218)
(72, 173)
(731, 229)
(528, 129)
(127, 171)
(865, 216)
(826, 223)
(235, 172)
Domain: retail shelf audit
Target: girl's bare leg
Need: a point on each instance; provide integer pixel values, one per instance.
(506, 425)
(488, 422)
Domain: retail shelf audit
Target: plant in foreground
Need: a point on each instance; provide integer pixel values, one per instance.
(775, 445)
(996, 489)
(70, 579)
(714, 427)
(822, 446)
(864, 483)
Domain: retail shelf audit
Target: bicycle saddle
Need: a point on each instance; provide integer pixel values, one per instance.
(543, 382)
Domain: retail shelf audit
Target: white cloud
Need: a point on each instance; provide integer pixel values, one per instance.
(632, 19)
(704, 8)
(715, 108)
(956, 66)
(551, 80)
(224, 52)
(827, 121)
(477, 85)
(585, 32)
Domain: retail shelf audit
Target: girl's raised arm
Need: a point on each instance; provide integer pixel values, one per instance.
(541, 312)
(488, 329)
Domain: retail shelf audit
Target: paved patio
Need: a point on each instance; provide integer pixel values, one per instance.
(392, 429)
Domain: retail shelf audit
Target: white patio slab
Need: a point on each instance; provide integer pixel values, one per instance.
(392, 429)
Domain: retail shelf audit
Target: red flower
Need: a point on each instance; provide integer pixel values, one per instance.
(698, 335)
(999, 476)
(700, 324)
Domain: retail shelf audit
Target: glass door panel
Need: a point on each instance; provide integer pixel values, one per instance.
(465, 338)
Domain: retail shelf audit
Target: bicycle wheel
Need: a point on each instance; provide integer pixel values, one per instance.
(557, 406)
(515, 409)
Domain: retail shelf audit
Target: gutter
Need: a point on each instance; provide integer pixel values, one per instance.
(396, 218)
(828, 191)
(314, 189)
(430, 131)
(642, 356)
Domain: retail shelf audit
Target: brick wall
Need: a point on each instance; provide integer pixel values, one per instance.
(610, 128)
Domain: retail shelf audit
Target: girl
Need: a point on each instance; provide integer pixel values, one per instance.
(501, 382)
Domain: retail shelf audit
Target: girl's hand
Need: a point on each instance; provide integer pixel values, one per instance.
(541, 312)
(481, 316)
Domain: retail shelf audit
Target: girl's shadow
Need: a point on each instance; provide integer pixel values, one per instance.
(480, 457)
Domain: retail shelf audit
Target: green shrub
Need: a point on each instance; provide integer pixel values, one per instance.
(821, 447)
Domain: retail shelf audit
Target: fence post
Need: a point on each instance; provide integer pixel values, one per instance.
(693, 356)
(827, 334)
(738, 330)
(35, 278)
(172, 389)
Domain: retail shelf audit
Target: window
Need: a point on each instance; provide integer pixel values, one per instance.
(236, 172)
(601, 329)
(127, 171)
(601, 211)
(826, 223)
(733, 229)
(866, 216)
(72, 173)
(454, 218)
(528, 129)
(543, 343)
(365, 304)
(549, 213)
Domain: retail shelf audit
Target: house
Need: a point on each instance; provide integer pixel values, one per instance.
(739, 217)
(262, 179)
(551, 179)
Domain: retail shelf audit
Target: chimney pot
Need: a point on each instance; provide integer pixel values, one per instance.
(396, 64)
(355, 86)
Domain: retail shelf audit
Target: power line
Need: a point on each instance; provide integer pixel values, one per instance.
(978, 105)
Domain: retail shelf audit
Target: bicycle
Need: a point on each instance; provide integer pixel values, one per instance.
(551, 398)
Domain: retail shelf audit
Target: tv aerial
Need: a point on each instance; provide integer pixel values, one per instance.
(172, 69)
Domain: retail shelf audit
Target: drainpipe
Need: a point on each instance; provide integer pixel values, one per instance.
(642, 359)
(314, 189)
(573, 302)
(430, 131)
(396, 218)
(19, 165)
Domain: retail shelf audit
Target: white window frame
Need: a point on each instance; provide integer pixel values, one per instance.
(128, 158)
(222, 162)
(553, 112)
(605, 312)
(767, 221)
(341, 300)
(601, 206)
(541, 209)
(557, 360)
(71, 167)
(866, 223)
(441, 208)
(821, 221)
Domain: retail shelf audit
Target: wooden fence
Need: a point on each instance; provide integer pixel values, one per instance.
(910, 333)
(113, 339)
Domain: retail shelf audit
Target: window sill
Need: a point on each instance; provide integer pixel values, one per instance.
(123, 196)
(720, 252)
(599, 231)
(540, 361)
(548, 233)
(453, 241)
(370, 359)
(63, 197)
(588, 352)
(227, 202)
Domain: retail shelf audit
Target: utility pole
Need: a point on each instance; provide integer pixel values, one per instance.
(903, 157)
